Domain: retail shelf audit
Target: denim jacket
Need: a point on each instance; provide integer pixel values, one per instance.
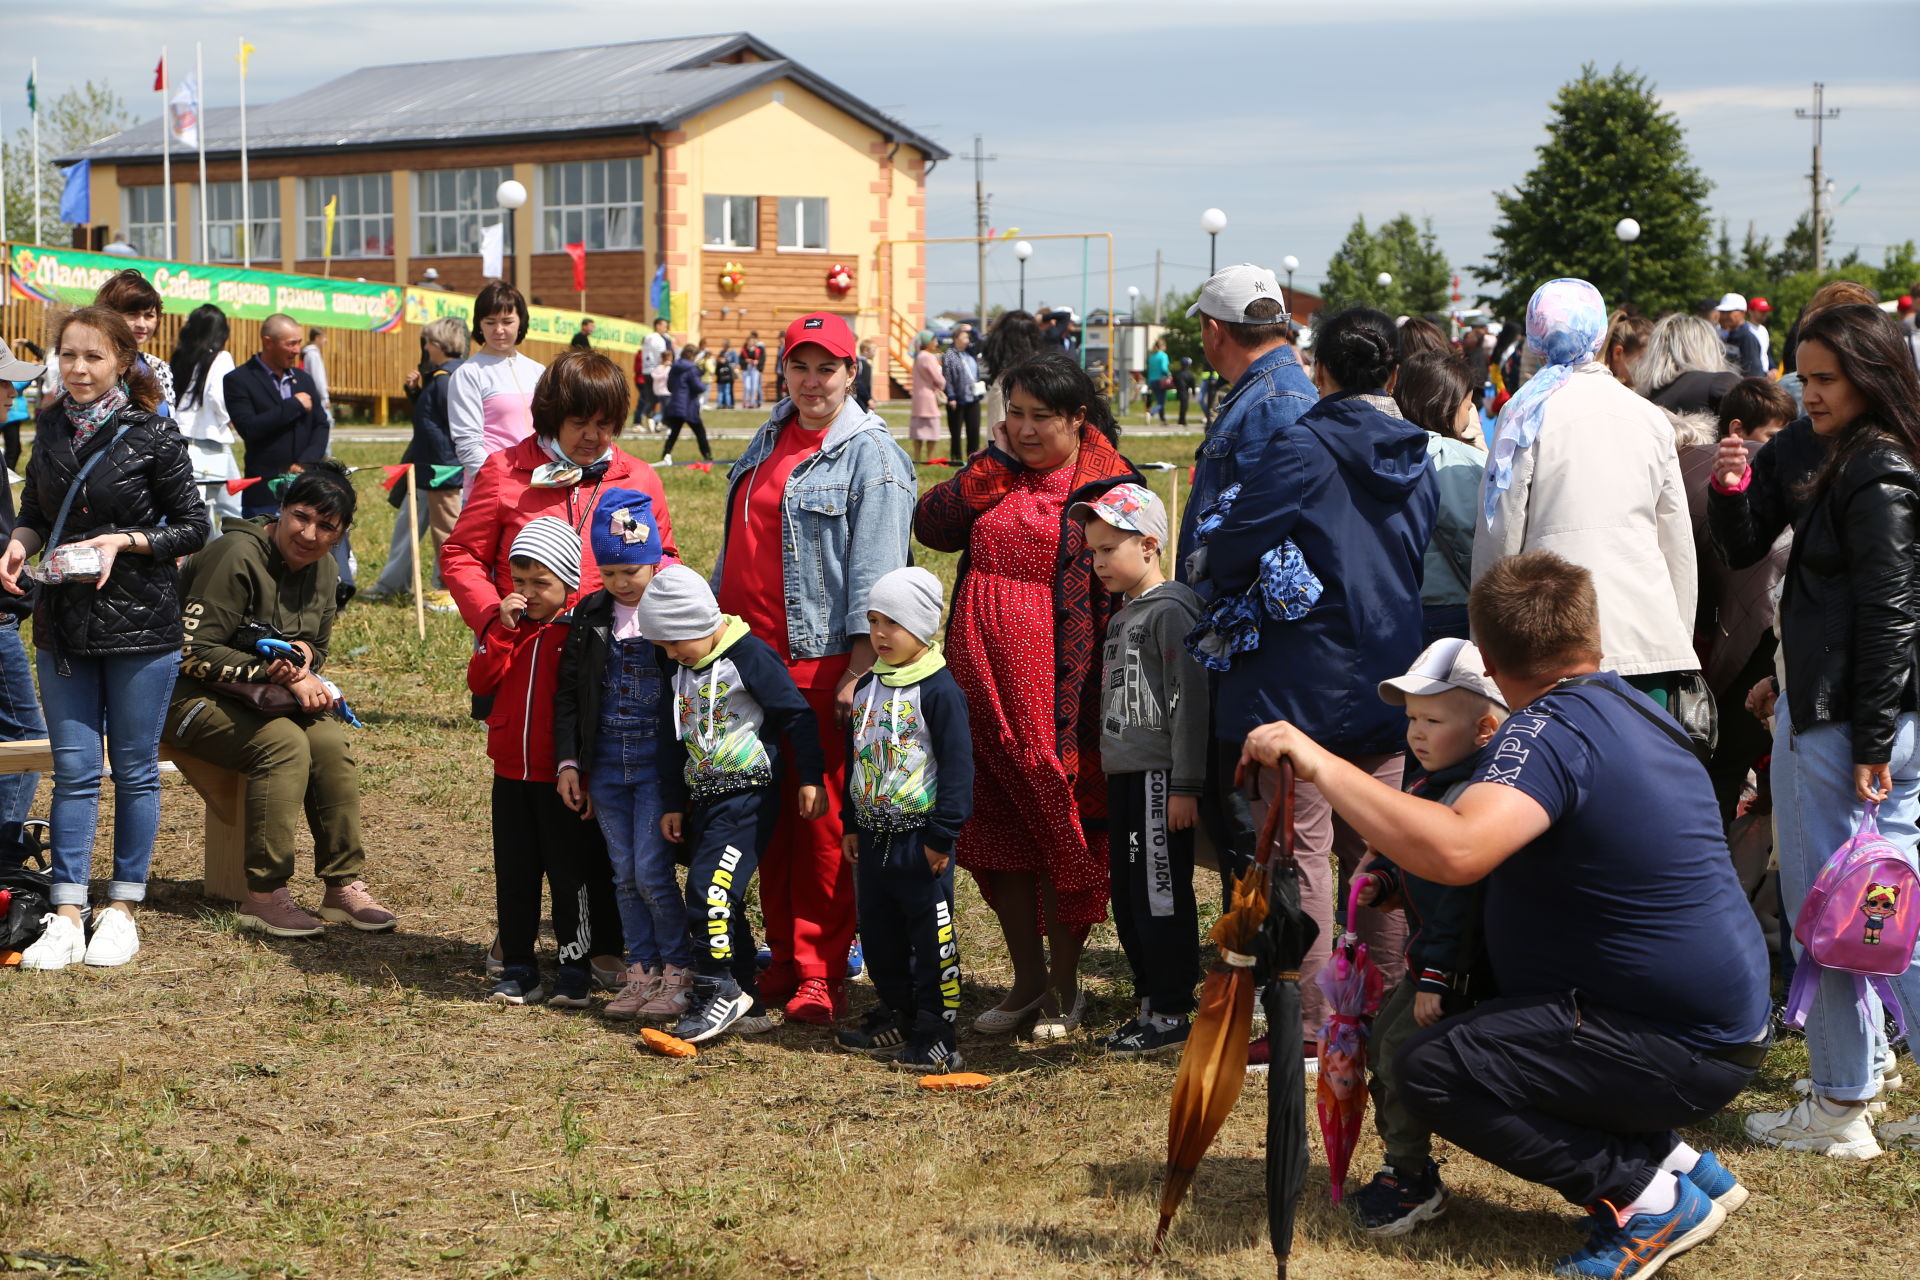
(848, 515)
(1270, 395)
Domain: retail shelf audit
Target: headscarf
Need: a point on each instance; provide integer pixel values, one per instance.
(1566, 323)
(90, 417)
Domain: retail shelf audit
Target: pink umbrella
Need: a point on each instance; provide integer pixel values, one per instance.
(1354, 989)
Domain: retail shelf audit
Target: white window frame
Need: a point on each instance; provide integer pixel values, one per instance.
(148, 238)
(223, 221)
(474, 206)
(727, 235)
(799, 205)
(313, 215)
(568, 216)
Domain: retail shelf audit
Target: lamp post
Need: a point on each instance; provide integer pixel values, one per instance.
(1133, 303)
(1290, 264)
(511, 196)
(1385, 281)
(1021, 250)
(1628, 231)
(1213, 222)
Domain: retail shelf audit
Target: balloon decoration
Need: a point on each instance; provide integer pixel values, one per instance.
(733, 278)
(839, 280)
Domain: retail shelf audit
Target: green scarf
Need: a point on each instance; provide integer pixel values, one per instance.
(914, 672)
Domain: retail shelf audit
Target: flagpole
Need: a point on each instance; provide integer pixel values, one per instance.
(413, 522)
(33, 74)
(200, 136)
(246, 188)
(166, 161)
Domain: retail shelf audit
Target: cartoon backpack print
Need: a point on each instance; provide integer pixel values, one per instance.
(1867, 878)
(1879, 905)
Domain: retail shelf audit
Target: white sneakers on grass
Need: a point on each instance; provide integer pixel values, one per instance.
(1809, 1126)
(116, 940)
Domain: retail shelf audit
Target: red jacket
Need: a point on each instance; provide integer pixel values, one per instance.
(520, 671)
(474, 559)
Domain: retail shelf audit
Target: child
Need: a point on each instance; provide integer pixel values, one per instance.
(1453, 710)
(1755, 410)
(909, 790)
(607, 732)
(1154, 739)
(517, 664)
(732, 702)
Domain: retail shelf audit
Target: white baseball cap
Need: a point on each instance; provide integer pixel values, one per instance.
(1447, 664)
(1132, 507)
(1732, 302)
(13, 369)
(1229, 291)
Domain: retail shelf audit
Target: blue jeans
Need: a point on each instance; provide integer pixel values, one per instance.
(1814, 812)
(750, 387)
(20, 718)
(626, 798)
(123, 698)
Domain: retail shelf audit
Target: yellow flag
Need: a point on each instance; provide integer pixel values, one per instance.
(333, 207)
(245, 50)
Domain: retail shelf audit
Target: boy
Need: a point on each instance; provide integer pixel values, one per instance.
(517, 664)
(1154, 740)
(1755, 410)
(732, 702)
(909, 789)
(1453, 710)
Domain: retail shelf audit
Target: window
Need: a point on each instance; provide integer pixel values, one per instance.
(145, 221)
(450, 207)
(803, 222)
(363, 226)
(224, 230)
(733, 222)
(594, 202)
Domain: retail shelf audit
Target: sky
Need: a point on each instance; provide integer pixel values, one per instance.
(1132, 118)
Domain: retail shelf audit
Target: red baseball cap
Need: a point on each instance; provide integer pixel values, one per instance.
(1760, 304)
(823, 328)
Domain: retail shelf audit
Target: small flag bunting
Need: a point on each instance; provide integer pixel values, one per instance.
(446, 475)
(395, 473)
(235, 486)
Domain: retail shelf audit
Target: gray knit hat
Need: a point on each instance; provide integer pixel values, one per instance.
(678, 605)
(550, 541)
(911, 597)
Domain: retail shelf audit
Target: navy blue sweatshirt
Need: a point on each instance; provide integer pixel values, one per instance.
(910, 759)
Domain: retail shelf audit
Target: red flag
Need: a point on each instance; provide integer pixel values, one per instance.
(160, 74)
(235, 486)
(578, 252)
(395, 473)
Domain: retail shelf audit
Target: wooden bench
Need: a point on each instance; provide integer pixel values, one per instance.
(224, 792)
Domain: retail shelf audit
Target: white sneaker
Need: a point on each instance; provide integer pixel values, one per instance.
(60, 944)
(666, 459)
(1804, 1088)
(1807, 1126)
(1901, 1133)
(115, 939)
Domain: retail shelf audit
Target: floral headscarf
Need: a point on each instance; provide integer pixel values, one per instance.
(1566, 323)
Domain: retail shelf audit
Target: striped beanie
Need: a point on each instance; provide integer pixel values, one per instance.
(550, 541)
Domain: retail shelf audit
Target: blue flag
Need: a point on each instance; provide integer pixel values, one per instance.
(33, 95)
(76, 194)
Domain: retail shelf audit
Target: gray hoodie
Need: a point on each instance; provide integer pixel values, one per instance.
(1153, 703)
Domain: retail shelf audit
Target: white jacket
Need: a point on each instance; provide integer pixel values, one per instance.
(1601, 487)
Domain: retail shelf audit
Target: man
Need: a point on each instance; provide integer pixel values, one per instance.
(753, 359)
(1632, 972)
(583, 336)
(961, 369)
(654, 348)
(1760, 309)
(1742, 347)
(313, 360)
(1476, 348)
(430, 279)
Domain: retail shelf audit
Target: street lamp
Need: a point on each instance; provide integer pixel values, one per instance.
(1213, 222)
(1021, 250)
(1628, 231)
(510, 195)
(1290, 264)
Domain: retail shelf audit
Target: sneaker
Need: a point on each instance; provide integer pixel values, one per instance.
(352, 904)
(115, 939)
(1807, 1126)
(928, 1056)
(1394, 1203)
(715, 1005)
(879, 1034)
(812, 1003)
(440, 602)
(1717, 1181)
(518, 986)
(856, 961)
(635, 991)
(755, 1021)
(1645, 1242)
(571, 988)
(666, 460)
(1061, 1025)
(609, 973)
(1901, 1133)
(1143, 1037)
(495, 965)
(1803, 1087)
(61, 943)
(670, 995)
(276, 913)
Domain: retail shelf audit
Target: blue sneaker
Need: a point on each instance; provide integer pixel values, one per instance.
(856, 961)
(1644, 1243)
(1718, 1182)
(763, 959)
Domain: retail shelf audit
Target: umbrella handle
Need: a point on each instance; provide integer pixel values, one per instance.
(1279, 823)
(1353, 898)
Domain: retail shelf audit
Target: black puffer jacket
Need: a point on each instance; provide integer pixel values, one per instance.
(144, 484)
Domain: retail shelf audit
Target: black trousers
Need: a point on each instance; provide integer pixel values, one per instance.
(725, 838)
(694, 425)
(958, 416)
(1152, 877)
(536, 837)
(1182, 397)
(1563, 1092)
(907, 934)
(643, 401)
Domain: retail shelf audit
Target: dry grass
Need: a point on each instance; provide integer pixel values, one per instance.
(231, 1106)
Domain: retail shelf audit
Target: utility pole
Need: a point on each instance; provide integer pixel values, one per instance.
(1156, 286)
(1817, 115)
(980, 158)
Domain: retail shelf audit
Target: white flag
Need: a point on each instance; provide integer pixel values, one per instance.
(185, 110)
(493, 251)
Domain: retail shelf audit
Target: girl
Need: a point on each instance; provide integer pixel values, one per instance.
(490, 402)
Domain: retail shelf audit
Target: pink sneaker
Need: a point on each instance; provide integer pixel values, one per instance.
(671, 996)
(352, 904)
(277, 913)
(638, 988)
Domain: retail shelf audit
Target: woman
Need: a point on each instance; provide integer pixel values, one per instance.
(19, 411)
(1014, 337)
(1350, 486)
(490, 400)
(1024, 642)
(275, 576)
(1685, 368)
(1845, 732)
(1834, 293)
(200, 365)
(443, 349)
(1435, 393)
(1583, 467)
(862, 378)
(819, 508)
(929, 393)
(685, 390)
(1421, 336)
(1159, 381)
(133, 296)
(1627, 338)
(110, 475)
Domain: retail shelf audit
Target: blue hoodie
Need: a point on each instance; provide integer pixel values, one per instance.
(1350, 483)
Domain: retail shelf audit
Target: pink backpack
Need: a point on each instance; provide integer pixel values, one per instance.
(1862, 916)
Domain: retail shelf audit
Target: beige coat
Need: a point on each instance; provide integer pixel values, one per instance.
(1601, 487)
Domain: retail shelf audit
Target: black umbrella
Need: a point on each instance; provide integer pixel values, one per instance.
(1289, 933)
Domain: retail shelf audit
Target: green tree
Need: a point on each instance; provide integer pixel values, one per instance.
(1353, 272)
(1183, 335)
(1611, 152)
(77, 117)
(1408, 253)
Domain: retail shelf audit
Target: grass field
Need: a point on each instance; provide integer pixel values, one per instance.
(232, 1106)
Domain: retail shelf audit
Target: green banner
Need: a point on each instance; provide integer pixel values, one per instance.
(70, 277)
(544, 324)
